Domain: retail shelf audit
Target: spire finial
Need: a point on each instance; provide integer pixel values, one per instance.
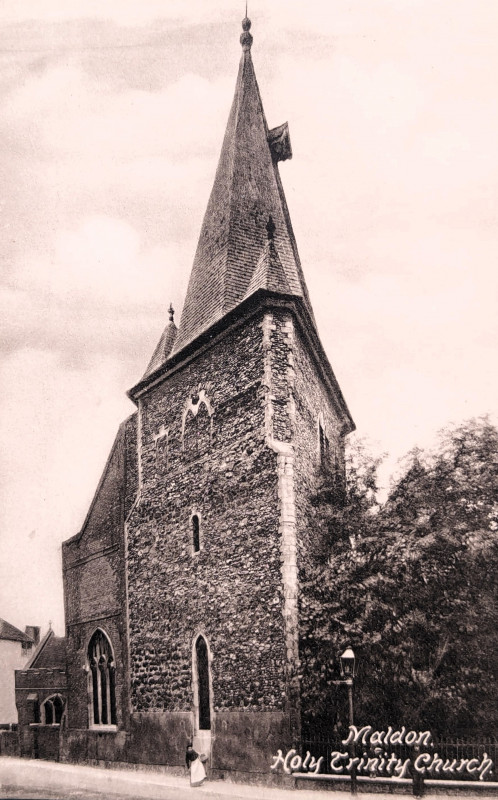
(270, 227)
(171, 312)
(245, 36)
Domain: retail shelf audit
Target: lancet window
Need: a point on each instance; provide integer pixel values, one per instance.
(196, 533)
(162, 451)
(324, 448)
(190, 436)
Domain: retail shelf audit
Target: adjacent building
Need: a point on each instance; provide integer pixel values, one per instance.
(41, 698)
(15, 652)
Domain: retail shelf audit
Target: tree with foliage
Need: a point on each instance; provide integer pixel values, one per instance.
(412, 586)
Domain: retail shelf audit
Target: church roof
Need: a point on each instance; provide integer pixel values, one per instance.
(50, 653)
(234, 258)
(12, 634)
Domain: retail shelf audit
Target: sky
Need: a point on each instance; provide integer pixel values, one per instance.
(112, 116)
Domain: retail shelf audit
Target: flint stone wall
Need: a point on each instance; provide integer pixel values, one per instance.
(231, 590)
(313, 403)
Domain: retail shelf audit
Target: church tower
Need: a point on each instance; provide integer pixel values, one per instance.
(183, 588)
(240, 418)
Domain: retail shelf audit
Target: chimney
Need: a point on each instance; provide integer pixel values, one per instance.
(34, 632)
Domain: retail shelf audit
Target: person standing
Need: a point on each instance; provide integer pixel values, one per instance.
(195, 766)
(417, 775)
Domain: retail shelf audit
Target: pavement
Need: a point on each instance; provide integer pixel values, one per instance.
(29, 778)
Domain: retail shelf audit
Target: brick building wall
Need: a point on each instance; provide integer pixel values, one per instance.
(33, 688)
(94, 587)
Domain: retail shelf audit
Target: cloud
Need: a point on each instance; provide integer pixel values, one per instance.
(75, 146)
(100, 293)
(64, 110)
(78, 174)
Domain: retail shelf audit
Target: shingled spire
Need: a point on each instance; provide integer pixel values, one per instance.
(234, 255)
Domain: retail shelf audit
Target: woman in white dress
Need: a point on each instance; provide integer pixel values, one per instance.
(196, 767)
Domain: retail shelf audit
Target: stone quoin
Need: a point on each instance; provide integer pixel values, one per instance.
(182, 590)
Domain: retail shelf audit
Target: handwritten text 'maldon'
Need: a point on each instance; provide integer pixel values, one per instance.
(380, 762)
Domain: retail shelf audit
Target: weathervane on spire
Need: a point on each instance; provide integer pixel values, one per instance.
(171, 312)
(245, 36)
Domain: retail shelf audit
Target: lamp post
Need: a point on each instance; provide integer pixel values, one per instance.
(347, 672)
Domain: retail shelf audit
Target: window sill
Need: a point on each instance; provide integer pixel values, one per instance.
(104, 728)
(44, 725)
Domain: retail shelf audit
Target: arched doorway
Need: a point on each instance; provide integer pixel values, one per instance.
(201, 674)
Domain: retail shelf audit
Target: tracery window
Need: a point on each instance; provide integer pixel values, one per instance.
(51, 710)
(102, 680)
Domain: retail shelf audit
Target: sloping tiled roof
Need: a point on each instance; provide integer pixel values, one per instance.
(233, 258)
(51, 653)
(12, 634)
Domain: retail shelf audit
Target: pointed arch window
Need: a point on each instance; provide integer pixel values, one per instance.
(102, 680)
(202, 684)
(51, 710)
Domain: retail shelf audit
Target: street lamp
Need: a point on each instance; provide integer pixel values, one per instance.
(347, 671)
(348, 664)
